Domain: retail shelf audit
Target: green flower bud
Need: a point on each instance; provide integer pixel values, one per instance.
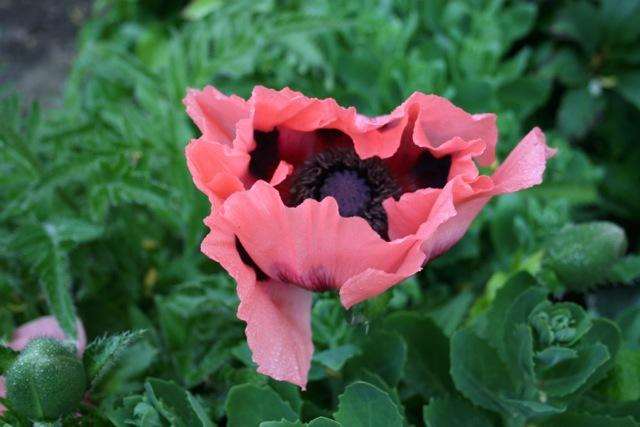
(47, 381)
(582, 255)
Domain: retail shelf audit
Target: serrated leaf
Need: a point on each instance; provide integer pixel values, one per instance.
(363, 405)
(53, 269)
(102, 354)
(480, 375)
(249, 405)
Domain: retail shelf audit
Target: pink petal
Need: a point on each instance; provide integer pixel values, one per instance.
(523, 168)
(3, 393)
(217, 170)
(216, 114)
(369, 284)
(525, 165)
(46, 326)
(311, 245)
(278, 315)
(449, 232)
(293, 110)
(438, 121)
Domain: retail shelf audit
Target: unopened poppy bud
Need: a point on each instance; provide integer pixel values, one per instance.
(46, 382)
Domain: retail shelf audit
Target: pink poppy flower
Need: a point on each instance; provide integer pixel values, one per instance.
(308, 196)
(46, 326)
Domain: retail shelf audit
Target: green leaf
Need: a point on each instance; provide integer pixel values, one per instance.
(363, 405)
(451, 314)
(175, 404)
(427, 368)
(517, 20)
(198, 9)
(323, 422)
(480, 375)
(623, 383)
(7, 357)
(290, 393)
(582, 255)
(249, 405)
(629, 321)
(568, 376)
(335, 358)
(282, 424)
(453, 412)
(318, 422)
(53, 269)
(388, 364)
(586, 420)
(606, 333)
(626, 270)
(629, 87)
(103, 354)
(578, 111)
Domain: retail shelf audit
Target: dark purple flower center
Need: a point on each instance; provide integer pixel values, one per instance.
(359, 186)
(350, 191)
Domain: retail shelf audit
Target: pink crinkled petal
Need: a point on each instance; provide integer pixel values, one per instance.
(423, 211)
(217, 170)
(215, 114)
(277, 314)
(525, 165)
(449, 232)
(311, 245)
(295, 111)
(438, 121)
(523, 168)
(278, 317)
(379, 136)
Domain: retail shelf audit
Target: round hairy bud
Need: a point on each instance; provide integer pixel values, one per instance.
(47, 381)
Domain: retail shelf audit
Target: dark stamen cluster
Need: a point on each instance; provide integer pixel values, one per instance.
(359, 186)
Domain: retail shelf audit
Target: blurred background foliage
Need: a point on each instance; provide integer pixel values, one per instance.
(100, 219)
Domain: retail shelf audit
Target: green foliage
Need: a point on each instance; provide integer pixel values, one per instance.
(531, 358)
(248, 405)
(100, 220)
(363, 405)
(101, 356)
(7, 357)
